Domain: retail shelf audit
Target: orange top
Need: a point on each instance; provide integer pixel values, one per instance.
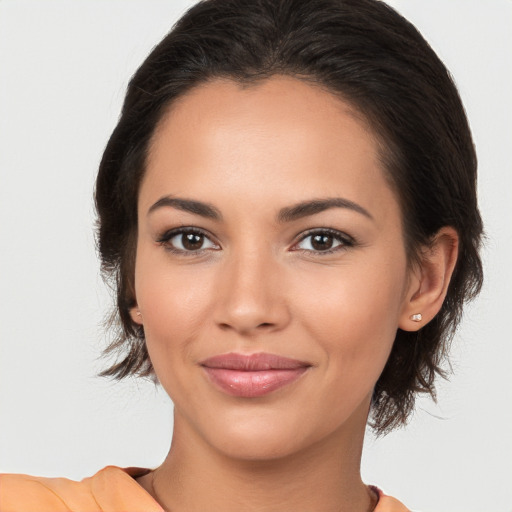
(110, 490)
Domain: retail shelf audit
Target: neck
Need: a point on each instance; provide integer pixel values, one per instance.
(325, 477)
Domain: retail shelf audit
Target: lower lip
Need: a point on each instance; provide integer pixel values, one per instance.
(251, 384)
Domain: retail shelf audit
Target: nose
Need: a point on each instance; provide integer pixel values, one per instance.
(251, 295)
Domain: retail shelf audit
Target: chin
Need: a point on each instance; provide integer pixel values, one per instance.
(242, 433)
(258, 447)
(246, 434)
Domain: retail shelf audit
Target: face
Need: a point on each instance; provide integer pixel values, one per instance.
(270, 269)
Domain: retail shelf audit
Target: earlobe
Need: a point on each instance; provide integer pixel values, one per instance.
(136, 315)
(430, 280)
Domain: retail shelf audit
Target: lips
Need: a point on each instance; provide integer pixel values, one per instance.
(253, 375)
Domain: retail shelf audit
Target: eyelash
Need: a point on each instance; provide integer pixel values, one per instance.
(345, 241)
(166, 237)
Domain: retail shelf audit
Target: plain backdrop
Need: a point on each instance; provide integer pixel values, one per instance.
(64, 66)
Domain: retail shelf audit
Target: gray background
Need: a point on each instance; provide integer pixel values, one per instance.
(64, 66)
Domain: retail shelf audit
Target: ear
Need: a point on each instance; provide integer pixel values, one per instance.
(429, 280)
(136, 315)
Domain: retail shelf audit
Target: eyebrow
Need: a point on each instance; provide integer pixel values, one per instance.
(188, 205)
(314, 206)
(287, 214)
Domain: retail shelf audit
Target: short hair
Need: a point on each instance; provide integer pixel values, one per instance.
(364, 52)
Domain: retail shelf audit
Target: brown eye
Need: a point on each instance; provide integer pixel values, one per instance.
(324, 241)
(192, 241)
(187, 241)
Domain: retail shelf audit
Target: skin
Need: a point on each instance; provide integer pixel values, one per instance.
(257, 284)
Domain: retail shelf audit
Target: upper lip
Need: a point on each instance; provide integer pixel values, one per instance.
(253, 362)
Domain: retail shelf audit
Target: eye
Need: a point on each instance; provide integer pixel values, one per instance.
(324, 241)
(187, 240)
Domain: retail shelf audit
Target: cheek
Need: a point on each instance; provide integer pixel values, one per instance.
(353, 313)
(174, 302)
(165, 291)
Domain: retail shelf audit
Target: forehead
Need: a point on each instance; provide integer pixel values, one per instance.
(291, 136)
(298, 108)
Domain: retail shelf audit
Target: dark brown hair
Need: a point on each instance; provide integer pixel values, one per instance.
(362, 51)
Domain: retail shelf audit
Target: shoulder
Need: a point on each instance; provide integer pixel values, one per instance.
(387, 503)
(112, 488)
(24, 493)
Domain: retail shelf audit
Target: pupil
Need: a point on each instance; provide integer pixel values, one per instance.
(192, 241)
(322, 242)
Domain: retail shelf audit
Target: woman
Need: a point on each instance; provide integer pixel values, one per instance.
(287, 207)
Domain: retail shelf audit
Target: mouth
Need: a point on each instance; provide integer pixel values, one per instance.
(253, 375)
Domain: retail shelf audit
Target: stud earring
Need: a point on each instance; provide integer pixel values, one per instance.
(416, 318)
